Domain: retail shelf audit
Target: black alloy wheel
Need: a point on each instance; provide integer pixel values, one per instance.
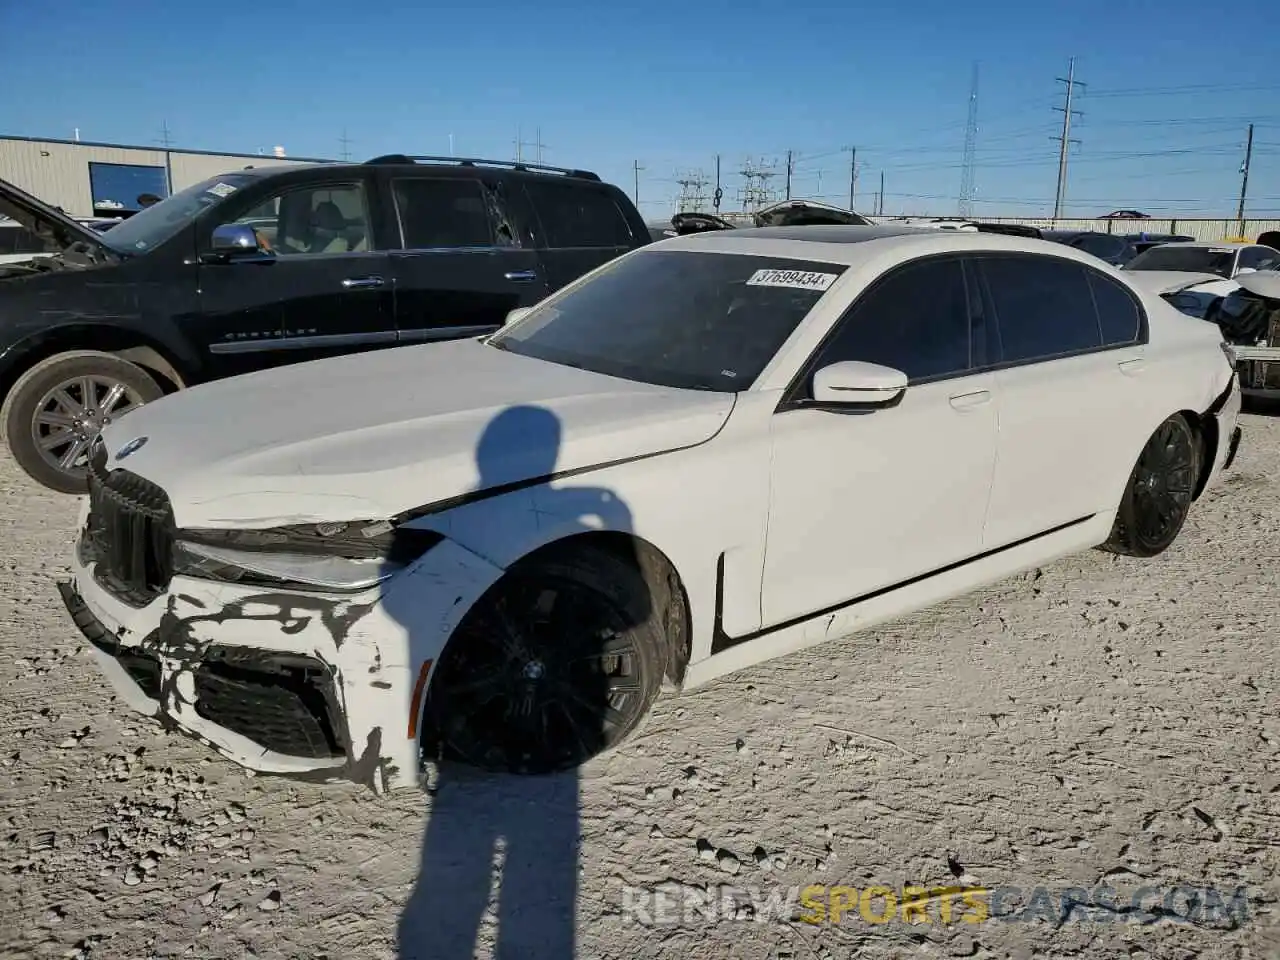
(1160, 490)
(557, 662)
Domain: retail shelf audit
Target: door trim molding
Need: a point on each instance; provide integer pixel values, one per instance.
(264, 344)
(721, 641)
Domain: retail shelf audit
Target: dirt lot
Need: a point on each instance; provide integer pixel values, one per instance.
(1102, 721)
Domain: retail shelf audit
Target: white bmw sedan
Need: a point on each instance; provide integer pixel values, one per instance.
(707, 453)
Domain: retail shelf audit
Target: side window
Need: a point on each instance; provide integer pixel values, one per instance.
(326, 218)
(15, 239)
(1119, 314)
(1101, 245)
(449, 213)
(915, 320)
(1043, 305)
(578, 216)
(1260, 258)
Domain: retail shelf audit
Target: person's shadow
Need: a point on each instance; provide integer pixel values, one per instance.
(529, 659)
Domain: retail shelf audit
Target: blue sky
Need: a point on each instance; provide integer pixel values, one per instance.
(1171, 89)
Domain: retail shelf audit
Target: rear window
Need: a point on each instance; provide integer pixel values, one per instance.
(701, 321)
(1219, 260)
(578, 216)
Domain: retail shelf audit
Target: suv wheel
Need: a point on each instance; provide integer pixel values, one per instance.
(57, 408)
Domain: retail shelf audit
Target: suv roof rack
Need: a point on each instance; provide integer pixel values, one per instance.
(393, 158)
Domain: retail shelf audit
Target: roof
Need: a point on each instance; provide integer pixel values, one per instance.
(843, 244)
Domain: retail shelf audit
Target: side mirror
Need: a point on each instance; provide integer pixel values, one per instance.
(858, 384)
(234, 241)
(515, 315)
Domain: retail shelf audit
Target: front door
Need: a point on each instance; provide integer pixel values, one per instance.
(463, 263)
(862, 501)
(315, 288)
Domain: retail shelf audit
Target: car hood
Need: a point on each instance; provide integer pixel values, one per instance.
(376, 434)
(1162, 282)
(800, 212)
(46, 222)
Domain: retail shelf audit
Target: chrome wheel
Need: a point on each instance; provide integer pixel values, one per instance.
(70, 415)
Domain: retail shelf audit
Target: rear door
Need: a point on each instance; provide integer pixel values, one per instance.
(316, 287)
(462, 262)
(1069, 345)
(580, 227)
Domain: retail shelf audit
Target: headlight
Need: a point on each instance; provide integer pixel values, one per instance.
(339, 557)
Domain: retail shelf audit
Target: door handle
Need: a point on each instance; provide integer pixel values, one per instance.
(362, 283)
(967, 401)
(522, 276)
(1132, 367)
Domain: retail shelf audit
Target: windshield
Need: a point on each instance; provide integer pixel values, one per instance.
(153, 225)
(676, 318)
(1219, 260)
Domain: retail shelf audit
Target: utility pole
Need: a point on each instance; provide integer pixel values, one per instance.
(853, 174)
(345, 141)
(790, 165)
(1065, 140)
(970, 148)
(637, 169)
(715, 197)
(1244, 182)
(880, 204)
(521, 143)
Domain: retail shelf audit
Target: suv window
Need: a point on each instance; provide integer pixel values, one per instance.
(577, 216)
(1119, 313)
(448, 213)
(16, 239)
(1260, 258)
(323, 218)
(915, 320)
(1043, 306)
(1101, 245)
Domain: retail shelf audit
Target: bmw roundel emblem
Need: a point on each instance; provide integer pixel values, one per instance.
(133, 446)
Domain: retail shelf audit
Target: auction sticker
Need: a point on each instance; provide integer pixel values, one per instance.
(222, 190)
(798, 279)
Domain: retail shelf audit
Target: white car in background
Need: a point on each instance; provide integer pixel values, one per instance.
(707, 453)
(1193, 274)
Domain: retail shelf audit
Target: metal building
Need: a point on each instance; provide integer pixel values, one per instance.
(107, 179)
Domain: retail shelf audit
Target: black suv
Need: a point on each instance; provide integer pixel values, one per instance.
(276, 265)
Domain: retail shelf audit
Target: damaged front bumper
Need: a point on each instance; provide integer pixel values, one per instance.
(304, 684)
(1259, 370)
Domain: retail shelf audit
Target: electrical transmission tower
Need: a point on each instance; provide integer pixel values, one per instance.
(970, 148)
(755, 191)
(345, 141)
(1065, 140)
(693, 191)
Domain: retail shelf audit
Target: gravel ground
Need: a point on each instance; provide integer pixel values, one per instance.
(1100, 721)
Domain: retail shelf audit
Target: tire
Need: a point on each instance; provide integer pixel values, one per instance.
(32, 405)
(1158, 495)
(509, 694)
